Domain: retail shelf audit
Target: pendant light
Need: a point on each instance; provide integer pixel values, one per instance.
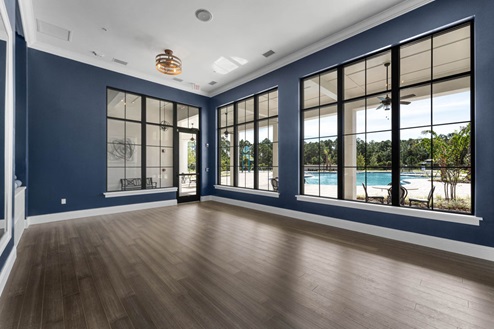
(192, 139)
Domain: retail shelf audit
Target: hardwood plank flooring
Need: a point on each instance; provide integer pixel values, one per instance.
(210, 265)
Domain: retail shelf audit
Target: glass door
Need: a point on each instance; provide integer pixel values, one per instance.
(188, 165)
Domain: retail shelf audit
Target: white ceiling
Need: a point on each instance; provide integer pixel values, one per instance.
(138, 30)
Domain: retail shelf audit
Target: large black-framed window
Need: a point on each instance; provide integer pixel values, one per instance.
(248, 142)
(140, 140)
(395, 127)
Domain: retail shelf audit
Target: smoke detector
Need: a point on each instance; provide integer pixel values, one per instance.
(204, 15)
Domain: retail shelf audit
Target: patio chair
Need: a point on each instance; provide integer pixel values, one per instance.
(274, 183)
(427, 201)
(403, 195)
(368, 197)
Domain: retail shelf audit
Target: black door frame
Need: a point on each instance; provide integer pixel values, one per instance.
(177, 174)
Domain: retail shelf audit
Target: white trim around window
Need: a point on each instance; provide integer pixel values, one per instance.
(270, 194)
(139, 192)
(403, 211)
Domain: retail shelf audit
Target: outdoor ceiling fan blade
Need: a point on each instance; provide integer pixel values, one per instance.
(408, 96)
(380, 107)
(405, 103)
(381, 98)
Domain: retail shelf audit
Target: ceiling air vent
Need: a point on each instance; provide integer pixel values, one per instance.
(268, 53)
(119, 61)
(53, 30)
(178, 79)
(212, 83)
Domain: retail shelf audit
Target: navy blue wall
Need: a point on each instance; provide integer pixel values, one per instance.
(435, 15)
(67, 132)
(67, 124)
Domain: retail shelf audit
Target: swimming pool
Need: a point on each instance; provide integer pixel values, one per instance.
(373, 178)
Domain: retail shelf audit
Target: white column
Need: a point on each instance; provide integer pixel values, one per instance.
(275, 150)
(350, 158)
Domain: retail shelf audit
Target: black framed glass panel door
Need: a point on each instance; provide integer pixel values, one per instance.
(188, 165)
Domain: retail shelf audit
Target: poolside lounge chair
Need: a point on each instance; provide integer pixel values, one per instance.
(426, 201)
(368, 197)
(274, 183)
(403, 195)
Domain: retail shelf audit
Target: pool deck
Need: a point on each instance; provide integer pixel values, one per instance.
(418, 187)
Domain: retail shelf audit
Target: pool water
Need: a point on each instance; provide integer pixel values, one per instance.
(373, 178)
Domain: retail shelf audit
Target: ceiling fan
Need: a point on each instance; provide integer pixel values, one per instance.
(386, 101)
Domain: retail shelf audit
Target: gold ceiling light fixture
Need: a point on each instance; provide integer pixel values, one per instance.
(168, 63)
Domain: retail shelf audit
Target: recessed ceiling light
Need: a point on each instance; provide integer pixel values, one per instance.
(203, 15)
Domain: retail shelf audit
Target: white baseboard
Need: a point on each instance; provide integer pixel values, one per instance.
(19, 227)
(207, 198)
(33, 220)
(458, 247)
(7, 268)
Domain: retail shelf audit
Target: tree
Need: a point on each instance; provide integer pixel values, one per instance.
(225, 156)
(265, 154)
(191, 156)
(452, 154)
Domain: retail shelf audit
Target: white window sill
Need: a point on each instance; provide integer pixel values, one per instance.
(270, 194)
(405, 211)
(139, 192)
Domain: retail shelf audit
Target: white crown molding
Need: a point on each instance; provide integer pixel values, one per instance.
(114, 67)
(29, 26)
(457, 247)
(48, 218)
(28, 21)
(333, 39)
(30, 30)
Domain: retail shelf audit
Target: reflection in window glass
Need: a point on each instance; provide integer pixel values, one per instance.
(140, 140)
(115, 104)
(187, 116)
(133, 107)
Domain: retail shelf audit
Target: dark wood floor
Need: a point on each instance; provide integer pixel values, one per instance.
(209, 265)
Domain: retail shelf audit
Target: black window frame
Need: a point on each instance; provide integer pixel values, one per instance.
(235, 126)
(395, 91)
(143, 123)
